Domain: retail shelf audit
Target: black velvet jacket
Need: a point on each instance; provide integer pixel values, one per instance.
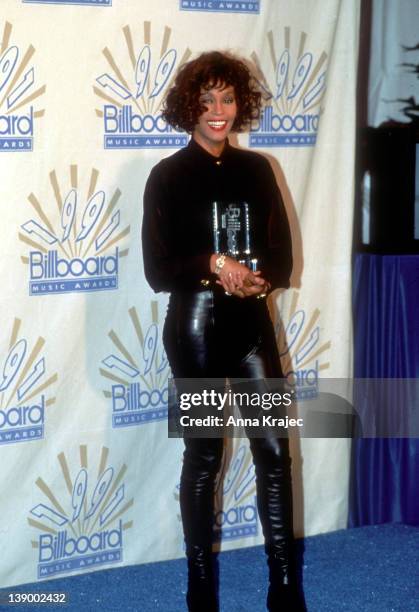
(177, 233)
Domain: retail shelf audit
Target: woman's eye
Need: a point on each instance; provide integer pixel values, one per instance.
(229, 100)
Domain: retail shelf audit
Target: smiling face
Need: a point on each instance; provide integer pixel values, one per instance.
(216, 122)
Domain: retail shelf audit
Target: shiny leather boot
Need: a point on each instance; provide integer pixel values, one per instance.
(274, 498)
(201, 463)
(202, 589)
(284, 594)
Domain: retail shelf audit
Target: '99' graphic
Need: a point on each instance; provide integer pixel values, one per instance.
(90, 216)
(74, 255)
(298, 80)
(79, 501)
(17, 81)
(23, 385)
(139, 391)
(133, 93)
(87, 529)
(301, 349)
(142, 76)
(292, 119)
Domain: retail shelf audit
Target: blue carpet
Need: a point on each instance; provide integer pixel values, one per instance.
(368, 569)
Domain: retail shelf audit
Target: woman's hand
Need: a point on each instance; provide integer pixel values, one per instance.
(253, 284)
(237, 279)
(231, 273)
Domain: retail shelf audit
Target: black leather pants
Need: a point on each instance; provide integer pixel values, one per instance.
(211, 335)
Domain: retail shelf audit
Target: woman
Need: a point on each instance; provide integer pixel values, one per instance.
(217, 323)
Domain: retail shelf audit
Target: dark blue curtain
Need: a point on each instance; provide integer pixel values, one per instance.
(386, 338)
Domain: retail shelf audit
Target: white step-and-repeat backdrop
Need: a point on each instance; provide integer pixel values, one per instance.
(89, 477)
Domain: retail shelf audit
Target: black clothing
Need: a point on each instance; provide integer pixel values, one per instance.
(177, 225)
(208, 334)
(202, 461)
(195, 332)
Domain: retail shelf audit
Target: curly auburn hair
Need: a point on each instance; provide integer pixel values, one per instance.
(182, 107)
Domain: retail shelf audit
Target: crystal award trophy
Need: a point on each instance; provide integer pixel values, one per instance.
(232, 232)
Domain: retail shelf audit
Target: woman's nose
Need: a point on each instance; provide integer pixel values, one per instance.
(218, 107)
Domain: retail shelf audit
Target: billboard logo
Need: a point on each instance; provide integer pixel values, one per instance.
(77, 250)
(23, 389)
(221, 6)
(300, 349)
(81, 521)
(17, 94)
(132, 92)
(74, 2)
(139, 374)
(291, 118)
